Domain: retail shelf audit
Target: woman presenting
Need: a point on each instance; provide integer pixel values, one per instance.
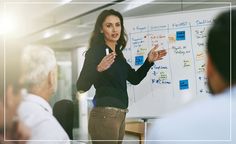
(106, 68)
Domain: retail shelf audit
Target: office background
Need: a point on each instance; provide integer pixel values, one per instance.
(65, 25)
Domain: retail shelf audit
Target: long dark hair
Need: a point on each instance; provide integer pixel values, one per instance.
(97, 37)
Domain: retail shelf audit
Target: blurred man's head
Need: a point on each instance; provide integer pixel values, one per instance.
(221, 70)
(40, 70)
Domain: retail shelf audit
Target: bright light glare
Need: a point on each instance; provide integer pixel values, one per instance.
(8, 24)
(65, 1)
(137, 3)
(50, 33)
(47, 34)
(67, 36)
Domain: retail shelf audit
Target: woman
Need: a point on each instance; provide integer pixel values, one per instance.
(108, 73)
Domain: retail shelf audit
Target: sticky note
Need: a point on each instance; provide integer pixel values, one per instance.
(183, 84)
(180, 35)
(138, 60)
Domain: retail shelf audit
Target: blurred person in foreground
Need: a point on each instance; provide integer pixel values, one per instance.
(212, 120)
(12, 128)
(40, 77)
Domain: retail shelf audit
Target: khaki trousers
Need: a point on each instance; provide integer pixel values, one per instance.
(107, 125)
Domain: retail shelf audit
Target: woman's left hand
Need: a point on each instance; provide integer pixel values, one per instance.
(155, 54)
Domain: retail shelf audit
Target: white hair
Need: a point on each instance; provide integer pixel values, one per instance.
(37, 62)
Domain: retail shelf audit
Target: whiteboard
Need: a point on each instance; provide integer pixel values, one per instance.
(180, 77)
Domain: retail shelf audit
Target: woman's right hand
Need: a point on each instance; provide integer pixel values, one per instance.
(106, 62)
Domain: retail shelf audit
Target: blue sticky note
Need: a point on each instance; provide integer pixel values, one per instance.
(138, 60)
(183, 84)
(180, 35)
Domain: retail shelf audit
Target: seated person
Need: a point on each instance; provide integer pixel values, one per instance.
(40, 77)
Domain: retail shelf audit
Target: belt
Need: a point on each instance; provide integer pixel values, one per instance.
(117, 109)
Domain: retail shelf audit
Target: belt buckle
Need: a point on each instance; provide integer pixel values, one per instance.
(125, 110)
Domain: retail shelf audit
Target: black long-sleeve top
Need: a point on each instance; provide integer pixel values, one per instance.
(110, 85)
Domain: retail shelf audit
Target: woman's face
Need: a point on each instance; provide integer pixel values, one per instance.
(111, 28)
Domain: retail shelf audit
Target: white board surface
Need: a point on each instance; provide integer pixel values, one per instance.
(178, 78)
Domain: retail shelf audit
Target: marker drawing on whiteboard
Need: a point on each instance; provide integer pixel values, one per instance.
(107, 51)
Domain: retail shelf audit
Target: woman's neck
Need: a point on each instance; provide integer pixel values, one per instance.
(112, 45)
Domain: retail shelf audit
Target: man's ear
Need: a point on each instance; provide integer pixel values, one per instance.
(210, 67)
(51, 78)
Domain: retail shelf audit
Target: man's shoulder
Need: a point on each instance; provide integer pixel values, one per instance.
(205, 119)
(39, 120)
(34, 112)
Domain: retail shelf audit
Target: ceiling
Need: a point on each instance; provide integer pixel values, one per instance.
(65, 24)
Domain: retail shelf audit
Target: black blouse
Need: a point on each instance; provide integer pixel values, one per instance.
(110, 85)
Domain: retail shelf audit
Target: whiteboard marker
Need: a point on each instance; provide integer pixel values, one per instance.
(157, 47)
(107, 51)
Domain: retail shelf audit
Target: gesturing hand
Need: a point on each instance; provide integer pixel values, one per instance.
(154, 54)
(106, 62)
